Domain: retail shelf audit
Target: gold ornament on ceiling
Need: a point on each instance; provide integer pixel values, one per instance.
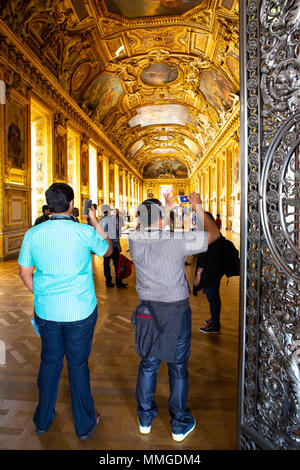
(141, 71)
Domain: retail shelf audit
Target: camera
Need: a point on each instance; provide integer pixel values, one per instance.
(183, 198)
(87, 206)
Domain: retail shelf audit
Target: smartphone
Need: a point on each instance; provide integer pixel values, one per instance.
(183, 198)
(87, 206)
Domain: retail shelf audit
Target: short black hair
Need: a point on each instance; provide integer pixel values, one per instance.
(58, 197)
(45, 208)
(149, 211)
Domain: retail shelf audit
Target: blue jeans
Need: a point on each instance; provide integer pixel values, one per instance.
(178, 381)
(213, 296)
(73, 339)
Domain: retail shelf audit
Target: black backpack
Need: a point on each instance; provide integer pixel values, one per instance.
(230, 259)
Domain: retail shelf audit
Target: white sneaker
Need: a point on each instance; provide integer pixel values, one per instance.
(180, 437)
(144, 429)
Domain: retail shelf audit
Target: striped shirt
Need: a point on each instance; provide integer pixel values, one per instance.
(63, 282)
(159, 260)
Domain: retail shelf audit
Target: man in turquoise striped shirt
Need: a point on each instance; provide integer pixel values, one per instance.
(56, 266)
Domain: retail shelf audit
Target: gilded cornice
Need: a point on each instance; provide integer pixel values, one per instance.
(228, 131)
(16, 56)
(113, 23)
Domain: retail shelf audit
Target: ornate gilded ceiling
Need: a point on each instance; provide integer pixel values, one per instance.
(159, 77)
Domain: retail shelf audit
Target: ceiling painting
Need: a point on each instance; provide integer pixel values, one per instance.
(102, 95)
(169, 168)
(164, 114)
(216, 89)
(164, 150)
(80, 76)
(160, 73)
(233, 67)
(144, 8)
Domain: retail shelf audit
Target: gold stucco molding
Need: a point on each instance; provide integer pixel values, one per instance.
(229, 130)
(14, 55)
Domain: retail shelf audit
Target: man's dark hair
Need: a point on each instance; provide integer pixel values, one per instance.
(45, 208)
(149, 211)
(58, 197)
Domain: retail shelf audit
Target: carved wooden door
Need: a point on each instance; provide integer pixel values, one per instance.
(269, 383)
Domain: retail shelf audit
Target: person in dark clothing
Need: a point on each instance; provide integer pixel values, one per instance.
(44, 217)
(208, 277)
(219, 222)
(75, 214)
(94, 206)
(112, 224)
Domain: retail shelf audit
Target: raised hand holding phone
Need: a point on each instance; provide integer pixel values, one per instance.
(169, 200)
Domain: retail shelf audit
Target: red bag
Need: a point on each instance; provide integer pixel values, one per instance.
(124, 267)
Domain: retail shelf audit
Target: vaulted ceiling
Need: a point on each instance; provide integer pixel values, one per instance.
(159, 77)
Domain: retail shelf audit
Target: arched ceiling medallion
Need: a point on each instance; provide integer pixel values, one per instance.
(160, 74)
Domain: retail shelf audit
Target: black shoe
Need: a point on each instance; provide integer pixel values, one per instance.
(42, 431)
(210, 329)
(110, 284)
(121, 286)
(84, 437)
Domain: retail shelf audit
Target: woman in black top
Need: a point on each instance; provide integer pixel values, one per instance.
(207, 277)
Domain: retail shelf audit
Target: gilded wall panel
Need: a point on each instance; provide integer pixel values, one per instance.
(16, 138)
(16, 209)
(15, 164)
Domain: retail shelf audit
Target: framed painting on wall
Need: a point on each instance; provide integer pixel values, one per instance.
(236, 169)
(111, 179)
(60, 158)
(100, 175)
(17, 131)
(84, 166)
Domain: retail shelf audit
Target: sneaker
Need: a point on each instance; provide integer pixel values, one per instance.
(144, 429)
(180, 437)
(209, 329)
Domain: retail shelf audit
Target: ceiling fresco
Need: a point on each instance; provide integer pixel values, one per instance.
(159, 77)
(144, 8)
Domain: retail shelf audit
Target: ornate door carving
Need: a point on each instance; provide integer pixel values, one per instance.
(269, 395)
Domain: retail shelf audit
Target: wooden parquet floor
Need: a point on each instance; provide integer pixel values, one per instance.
(113, 367)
